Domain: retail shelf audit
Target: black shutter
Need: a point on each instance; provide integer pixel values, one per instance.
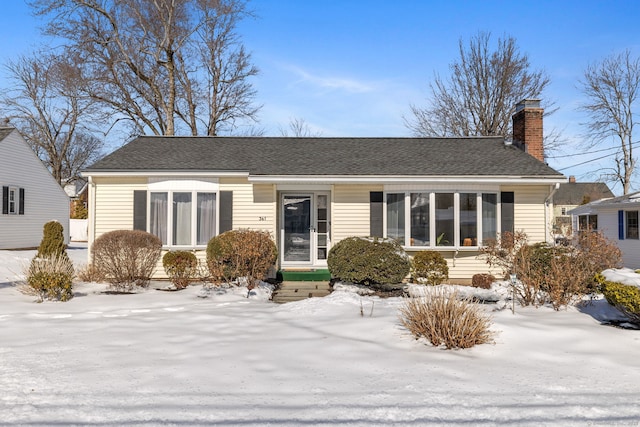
(140, 210)
(226, 211)
(376, 206)
(21, 204)
(506, 211)
(620, 225)
(5, 200)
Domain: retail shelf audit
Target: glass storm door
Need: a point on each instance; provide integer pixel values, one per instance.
(305, 229)
(297, 228)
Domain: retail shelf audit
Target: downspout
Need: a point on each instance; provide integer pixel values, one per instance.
(547, 202)
(92, 218)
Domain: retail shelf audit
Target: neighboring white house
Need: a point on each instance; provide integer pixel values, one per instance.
(617, 219)
(30, 195)
(443, 194)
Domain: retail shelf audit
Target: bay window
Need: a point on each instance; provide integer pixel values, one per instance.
(441, 219)
(183, 224)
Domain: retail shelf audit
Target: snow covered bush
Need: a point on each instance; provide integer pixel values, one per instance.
(368, 261)
(181, 267)
(126, 258)
(444, 319)
(51, 278)
(625, 298)
(52, 241)
(482, 280)
(241, 253)
(429, 267)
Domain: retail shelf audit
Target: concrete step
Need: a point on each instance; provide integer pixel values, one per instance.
(296, 291)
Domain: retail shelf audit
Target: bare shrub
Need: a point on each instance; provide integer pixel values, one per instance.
(443, 319)
(559, 275)
(50, 278)
(126, 258)
(504, 251)
(241, 253)
(89, 273)
(482, 280)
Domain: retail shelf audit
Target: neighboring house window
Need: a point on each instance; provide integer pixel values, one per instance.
(631, 224)
(441, 219)
(588, 222)
(191, 221)
(563, 211)
(12, 200)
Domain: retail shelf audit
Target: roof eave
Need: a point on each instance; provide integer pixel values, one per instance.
(387, 179)
(160, 172)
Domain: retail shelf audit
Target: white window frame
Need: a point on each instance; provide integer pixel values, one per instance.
(193, 186)
(432, 217)
(14, 200)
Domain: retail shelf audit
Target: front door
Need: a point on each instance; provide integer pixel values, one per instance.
(305, 229)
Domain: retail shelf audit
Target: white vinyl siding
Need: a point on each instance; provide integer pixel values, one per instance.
(350, 211)
(114, 203)
(44, 199)
(254, 205)
(529, 211)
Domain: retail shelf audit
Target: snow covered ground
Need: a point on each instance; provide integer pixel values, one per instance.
(173, 358)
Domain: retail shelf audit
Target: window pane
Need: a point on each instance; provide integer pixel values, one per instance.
(468, 219)
(395, 216)
(489, 216)
(444, 219)
(632, 224)
(593, 222)
(181, 218)
(12, 201)
(582, 222)
(419, 219)
(206, 217)
(158, 216)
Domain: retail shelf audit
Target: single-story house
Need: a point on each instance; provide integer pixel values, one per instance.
(617, 219)
(572, 194)
(31, 196)
(443, 194)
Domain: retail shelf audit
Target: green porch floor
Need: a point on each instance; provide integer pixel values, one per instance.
(300, 275)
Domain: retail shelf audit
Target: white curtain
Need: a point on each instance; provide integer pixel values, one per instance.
(206, 217)
(181, 218)
(158, 216)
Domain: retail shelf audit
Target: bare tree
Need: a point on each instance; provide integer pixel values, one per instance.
(166, 66)
(46, 107)
(480, 95)
(612, 87)
(298, 127)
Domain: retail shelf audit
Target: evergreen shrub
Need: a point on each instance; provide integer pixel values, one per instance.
(51, 278)
(52, 242)
(181, 267)
(430, 267)
(368, 261)
(625, 298)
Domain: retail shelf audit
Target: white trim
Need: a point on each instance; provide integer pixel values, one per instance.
(183, 184)
(152, 173)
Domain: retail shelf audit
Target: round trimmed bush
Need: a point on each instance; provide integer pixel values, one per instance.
(241, 253)
(180, 266)
(51, 277)
(482, 280)
(368, 261)
(126, 258)
(430, 267)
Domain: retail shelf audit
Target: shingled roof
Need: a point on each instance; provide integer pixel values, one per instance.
(577, 193)
(282, 156)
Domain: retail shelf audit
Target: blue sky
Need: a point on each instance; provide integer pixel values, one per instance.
(353, 67)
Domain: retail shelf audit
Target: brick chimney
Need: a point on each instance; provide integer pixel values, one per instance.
(572, 179)
(527, 128)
